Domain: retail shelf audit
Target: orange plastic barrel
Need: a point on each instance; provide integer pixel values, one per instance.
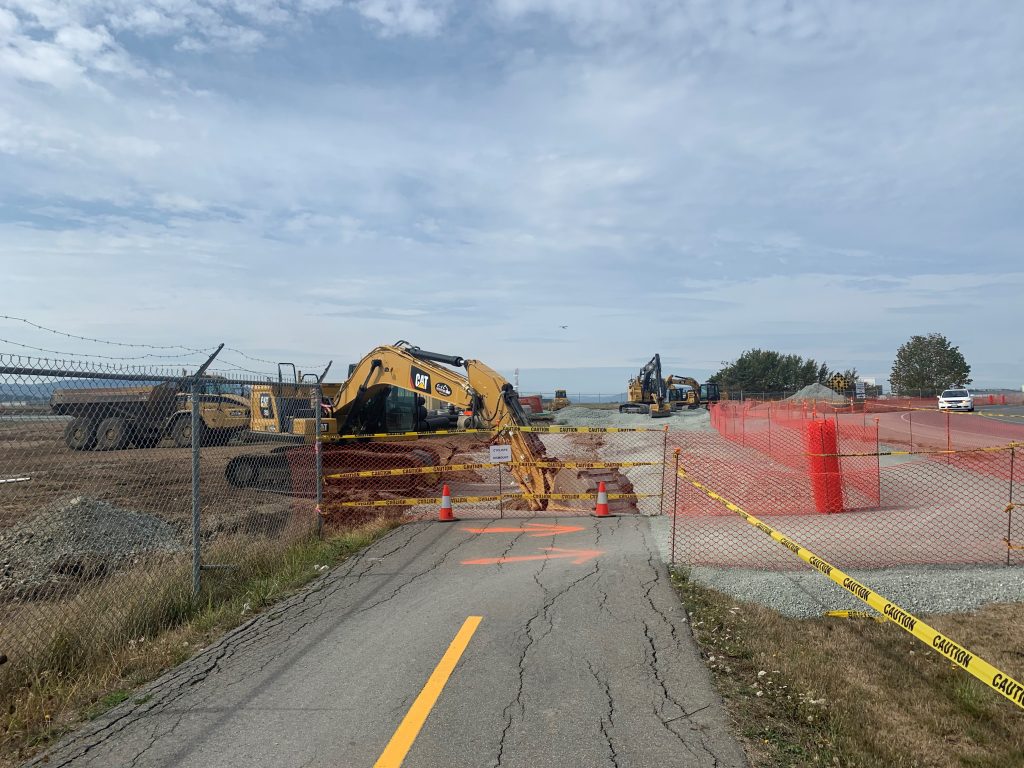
(823, 464)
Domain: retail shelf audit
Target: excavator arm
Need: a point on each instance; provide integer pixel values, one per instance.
(360, 405)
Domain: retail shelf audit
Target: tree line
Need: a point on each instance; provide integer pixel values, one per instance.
(928, 362)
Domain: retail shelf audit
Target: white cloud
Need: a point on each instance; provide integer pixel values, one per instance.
(405, 17)
(522, 164)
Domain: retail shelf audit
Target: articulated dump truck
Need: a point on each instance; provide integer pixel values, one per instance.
(386, 392)
(114, 418)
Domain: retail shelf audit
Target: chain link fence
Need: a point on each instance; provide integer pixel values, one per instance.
(116, 492)
(553, 471)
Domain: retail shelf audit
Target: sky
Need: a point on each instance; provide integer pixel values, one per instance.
(560, 187)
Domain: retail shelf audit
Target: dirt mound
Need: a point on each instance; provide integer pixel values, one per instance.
(818, 392)
(74, 541)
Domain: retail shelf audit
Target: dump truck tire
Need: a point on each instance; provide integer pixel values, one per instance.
(80, 434)
(181, 433)
(112, 434)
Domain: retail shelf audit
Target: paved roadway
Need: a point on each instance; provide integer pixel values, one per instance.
(988, 426)
(582, 659)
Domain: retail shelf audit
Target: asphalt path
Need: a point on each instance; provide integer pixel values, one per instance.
(987, 426)
(580, 655)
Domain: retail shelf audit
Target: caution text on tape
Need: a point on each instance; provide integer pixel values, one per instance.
(412, 502)
(994, 678)
(988, 449)
(567, 430)
(490, 465)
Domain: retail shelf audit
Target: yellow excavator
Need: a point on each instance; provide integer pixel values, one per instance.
(386, 392)
(647, 392)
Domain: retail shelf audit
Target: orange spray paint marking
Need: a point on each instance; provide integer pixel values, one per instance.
(578, 557)
(535, 529)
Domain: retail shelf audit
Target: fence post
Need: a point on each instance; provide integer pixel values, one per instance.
(319, 459)
(1009, 507)
(878, 459)
(910, 418)
(501, 495)
(664, 465)
(949, 442)
(196, 535)
(770, 430)
(675, 512)
(197, 554)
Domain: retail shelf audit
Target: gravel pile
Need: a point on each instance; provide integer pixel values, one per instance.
(644, 479)
(74, 541)
(575, 416)
(804, 593)
(818, 392)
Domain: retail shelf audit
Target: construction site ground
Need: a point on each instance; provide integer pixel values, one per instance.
(582, 657)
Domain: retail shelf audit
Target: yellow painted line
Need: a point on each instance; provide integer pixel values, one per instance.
(409, 729)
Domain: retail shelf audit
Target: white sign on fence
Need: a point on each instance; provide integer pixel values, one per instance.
(860, 390)
(501, 454)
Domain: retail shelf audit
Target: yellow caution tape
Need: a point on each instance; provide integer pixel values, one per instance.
(561, 430)
(988, 415)
(491, 465)
(392, 435)
(989, 449)
(483, 499)
(541, 430)
(408, 471)
(994, 678)
(856, 615)
(589, 464)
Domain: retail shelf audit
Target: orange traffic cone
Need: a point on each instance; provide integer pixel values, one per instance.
(601, 510)
(445, 515)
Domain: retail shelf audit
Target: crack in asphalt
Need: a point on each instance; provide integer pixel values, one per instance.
(610, 721)
(653, 662)
(531, 639)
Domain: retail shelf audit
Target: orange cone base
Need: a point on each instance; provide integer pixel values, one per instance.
(450, 519)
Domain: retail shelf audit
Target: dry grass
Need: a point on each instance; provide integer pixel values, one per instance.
(89, 666)
(857, 693)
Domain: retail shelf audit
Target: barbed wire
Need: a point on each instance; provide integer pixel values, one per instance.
(270, 362)
(11, 360)
(103, 341)
(186, 349)
(148, 355)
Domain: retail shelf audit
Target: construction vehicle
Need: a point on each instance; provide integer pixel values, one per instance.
(648, 392)
(113, 418)
(687, 392)
(385, 393)
(561, 400)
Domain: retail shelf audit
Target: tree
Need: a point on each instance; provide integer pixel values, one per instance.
(929, 363)
(764, 370)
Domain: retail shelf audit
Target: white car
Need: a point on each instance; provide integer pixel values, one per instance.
(956, 400)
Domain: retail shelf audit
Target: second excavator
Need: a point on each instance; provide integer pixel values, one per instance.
(386, 392)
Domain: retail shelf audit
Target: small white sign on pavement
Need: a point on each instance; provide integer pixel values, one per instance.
(501, 454)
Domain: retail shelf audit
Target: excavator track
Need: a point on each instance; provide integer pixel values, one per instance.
(291, 469)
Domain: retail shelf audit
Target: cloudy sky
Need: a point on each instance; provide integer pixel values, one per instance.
(304, 179)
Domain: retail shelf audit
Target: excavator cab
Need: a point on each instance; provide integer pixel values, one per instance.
(709, 393)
